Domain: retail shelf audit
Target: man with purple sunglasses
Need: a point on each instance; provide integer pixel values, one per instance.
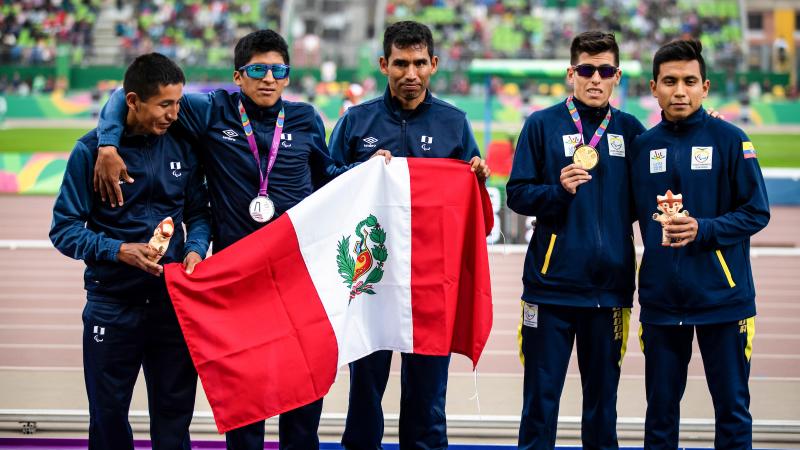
(570, 172)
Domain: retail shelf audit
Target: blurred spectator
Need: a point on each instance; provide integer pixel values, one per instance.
(30, 30)
(190, 31)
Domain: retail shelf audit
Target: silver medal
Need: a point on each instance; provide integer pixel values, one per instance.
(262, 209)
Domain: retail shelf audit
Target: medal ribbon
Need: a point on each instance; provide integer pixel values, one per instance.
(273, 149)
(573, 111)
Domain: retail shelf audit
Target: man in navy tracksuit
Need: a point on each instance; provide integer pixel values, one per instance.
(579, 270)
(291, 169)
(700, 278)
(409, 122)
(128, 319)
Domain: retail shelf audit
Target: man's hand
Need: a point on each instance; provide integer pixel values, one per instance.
(191, 260)
(478, 165)
(682, 230)
(109, 169)
(573, 176)
(387, 155)
(140, 256)
(714, 113)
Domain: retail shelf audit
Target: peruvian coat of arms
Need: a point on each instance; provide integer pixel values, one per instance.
(362, 265)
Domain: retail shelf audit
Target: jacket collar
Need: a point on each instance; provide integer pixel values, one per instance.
(259, 113)
(394, 108)
(693, 120)
(590, 113)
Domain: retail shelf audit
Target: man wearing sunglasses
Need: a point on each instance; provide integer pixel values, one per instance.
(408, 121)
(570, 172)
(262, 155)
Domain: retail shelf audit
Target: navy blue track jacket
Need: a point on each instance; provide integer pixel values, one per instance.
(712, 164)
(168, 182)
(435, 129)
(303, 163)
(581, 253)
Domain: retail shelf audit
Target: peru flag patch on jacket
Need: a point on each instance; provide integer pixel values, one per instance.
(385, 257)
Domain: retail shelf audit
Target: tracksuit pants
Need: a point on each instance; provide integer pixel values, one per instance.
(547, 334)
(423, 382)
(297, 430)
(118, 340)
(725, 349)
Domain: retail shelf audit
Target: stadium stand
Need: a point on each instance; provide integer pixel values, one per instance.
(31, 30)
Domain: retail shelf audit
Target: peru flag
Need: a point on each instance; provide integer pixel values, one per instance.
(384, 257)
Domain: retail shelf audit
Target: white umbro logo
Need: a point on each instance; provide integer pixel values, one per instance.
(370, 142)
(229, 135)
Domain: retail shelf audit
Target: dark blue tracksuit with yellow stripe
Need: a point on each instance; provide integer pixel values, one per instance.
(435, 129)
(578, 277)
(706, 286)
(128, 319)
(302, 165)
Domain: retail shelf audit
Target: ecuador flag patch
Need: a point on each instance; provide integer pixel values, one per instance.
(748, 150)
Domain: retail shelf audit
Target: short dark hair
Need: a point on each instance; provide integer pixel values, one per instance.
(147, 73)
(405, 34)
(261, 41)
(593, 42)
(680, 50)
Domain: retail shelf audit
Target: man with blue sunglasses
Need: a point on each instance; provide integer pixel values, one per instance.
(262, 155)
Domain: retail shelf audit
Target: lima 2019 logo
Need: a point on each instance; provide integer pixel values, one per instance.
(360, 273)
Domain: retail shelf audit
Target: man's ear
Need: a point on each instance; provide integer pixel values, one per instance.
(132, 100)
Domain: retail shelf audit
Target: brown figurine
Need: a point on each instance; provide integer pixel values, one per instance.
(670, 206)
(160, 240)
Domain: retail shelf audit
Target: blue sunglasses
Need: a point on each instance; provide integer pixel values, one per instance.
(259, 71)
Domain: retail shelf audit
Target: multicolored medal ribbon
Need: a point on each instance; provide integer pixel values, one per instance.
(586, 156)
(261, 208)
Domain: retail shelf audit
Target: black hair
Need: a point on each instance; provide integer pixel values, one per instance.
(593, 42)
(261, 41)
(680, 50)
(147, 73)
(405, 34)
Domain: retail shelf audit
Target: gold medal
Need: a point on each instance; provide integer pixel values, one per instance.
(586, 157)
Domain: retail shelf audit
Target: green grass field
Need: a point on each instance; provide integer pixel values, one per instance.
(774, 150)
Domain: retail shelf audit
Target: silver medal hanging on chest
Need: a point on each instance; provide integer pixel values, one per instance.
(262, 209)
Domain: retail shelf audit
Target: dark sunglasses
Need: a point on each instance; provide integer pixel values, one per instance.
(587, 70)
(259, 71)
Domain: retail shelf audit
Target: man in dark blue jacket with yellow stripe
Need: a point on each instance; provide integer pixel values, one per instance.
(128, 320)
(570, 171)
(408, 122)
(698, 277)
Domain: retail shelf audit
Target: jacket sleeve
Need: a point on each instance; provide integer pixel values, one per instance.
(197, 214)
(193, 117)
(72, 210)
(338, 144)
(111, 122)
(323, 167)
(468, 142)
(750, 206)
(527, 193)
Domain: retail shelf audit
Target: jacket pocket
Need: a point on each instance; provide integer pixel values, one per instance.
(725, 269)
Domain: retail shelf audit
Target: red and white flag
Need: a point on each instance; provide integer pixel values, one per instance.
(384, 257)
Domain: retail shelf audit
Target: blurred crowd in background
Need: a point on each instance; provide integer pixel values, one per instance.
(203, 33)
